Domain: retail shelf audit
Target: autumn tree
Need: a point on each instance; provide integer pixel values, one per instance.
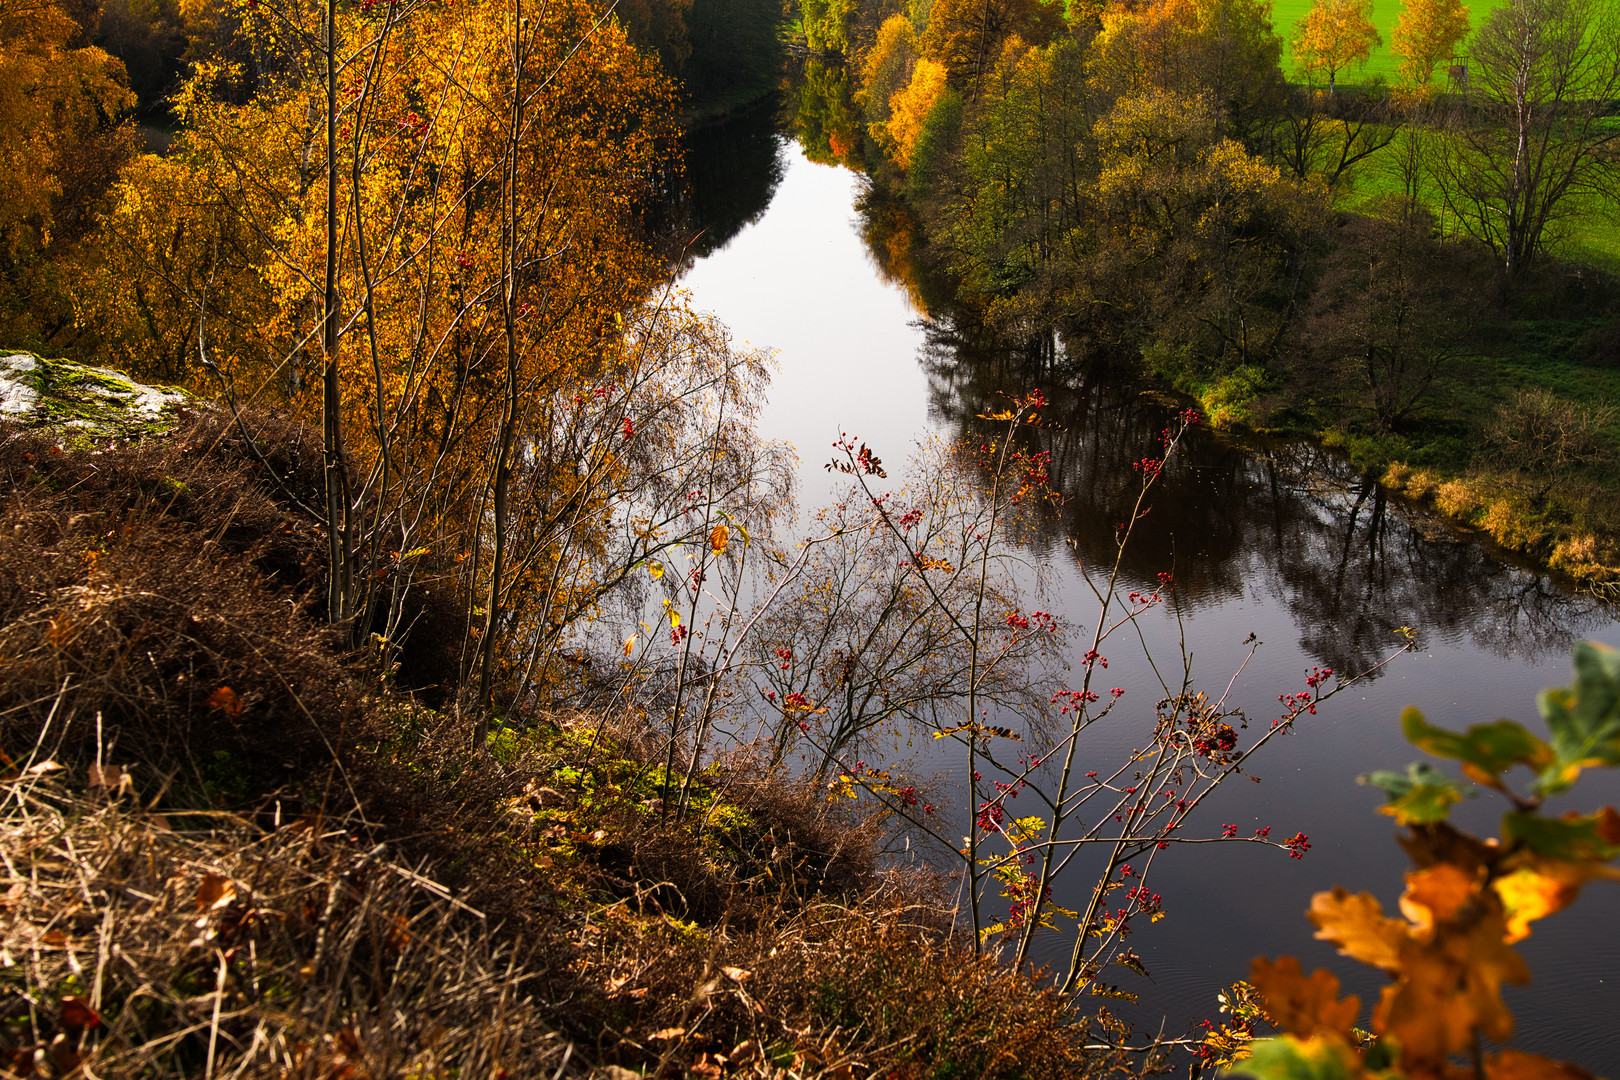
(1538, 142)
(909, 108)
(517, 401)
(1385, 318)
(1335, 35)
(885, 71)
(967, 35)
(1224, 47)
(1427, 32)
(61, 103)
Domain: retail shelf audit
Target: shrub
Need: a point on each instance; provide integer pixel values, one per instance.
(1538, 431)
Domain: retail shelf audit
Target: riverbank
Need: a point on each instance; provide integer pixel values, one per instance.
(285, 859)
(1242, 283)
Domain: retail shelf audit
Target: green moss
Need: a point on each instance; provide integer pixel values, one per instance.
(91, 402)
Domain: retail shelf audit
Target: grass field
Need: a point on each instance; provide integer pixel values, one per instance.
(1286, 14)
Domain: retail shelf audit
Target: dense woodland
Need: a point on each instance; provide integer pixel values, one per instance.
(436, 693)
(1395, 268)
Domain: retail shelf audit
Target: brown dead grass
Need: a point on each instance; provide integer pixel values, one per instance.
(306, 876)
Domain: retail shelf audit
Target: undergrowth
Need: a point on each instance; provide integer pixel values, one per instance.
(231, 850)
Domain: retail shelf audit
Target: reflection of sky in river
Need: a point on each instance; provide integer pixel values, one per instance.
(1265, 543)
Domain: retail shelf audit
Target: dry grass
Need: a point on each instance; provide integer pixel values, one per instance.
(307, 876)
(134, 949)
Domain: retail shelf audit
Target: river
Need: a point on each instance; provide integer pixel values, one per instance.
(1278, 539)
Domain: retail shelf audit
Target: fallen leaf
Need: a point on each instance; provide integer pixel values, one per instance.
(43, 768)
(76, 1012)
(215, 892)
(111, 779)
(736, 974)
(668, 1033)
(225, 700)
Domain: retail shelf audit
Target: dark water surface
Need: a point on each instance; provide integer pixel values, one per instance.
(1276, 539)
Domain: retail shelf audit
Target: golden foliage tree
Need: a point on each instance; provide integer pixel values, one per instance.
(908, 108)
(512, 402)
(1333, 36)
(967, 36)
(1224, 47)
(61, 101)
(1427, 32)
(885, 71)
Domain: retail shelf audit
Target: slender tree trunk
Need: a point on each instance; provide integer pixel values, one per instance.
(336, 467)
(503, 451)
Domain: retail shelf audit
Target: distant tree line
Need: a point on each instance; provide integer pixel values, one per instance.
(1146, 177)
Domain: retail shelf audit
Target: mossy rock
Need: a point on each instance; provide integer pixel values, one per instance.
(84, 400)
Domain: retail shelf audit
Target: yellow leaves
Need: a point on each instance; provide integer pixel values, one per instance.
(1335, 35)
(674, 616)
(1356, 924)
(719, 538)
(1541, 886)
(911, 106)
(1427, 32)
(1300, 1005)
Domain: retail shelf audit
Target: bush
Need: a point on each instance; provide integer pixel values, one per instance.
(1538, 431)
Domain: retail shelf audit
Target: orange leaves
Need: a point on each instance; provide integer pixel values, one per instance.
(1449, 987)
(1449, 961)
(719, 538)
(1356, 924)
(1466, 902)
(1304, 1006)
(1436, 895)
(1517, 1065)
(226, 701)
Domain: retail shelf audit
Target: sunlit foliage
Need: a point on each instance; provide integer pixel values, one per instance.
(1467, 901)
(1335, 35)
(61, 100)
(1427, 32)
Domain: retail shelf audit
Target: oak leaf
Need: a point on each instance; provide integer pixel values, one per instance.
(1517, 1065)
(1303, 1006)
(1435, 894)
(1357, 925)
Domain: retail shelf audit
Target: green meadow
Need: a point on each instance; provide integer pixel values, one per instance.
(1287, 13)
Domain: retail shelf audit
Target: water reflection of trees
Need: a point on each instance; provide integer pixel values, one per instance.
(1283, 518)
(732, 171)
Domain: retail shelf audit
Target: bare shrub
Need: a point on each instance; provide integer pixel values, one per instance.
(1538, 431)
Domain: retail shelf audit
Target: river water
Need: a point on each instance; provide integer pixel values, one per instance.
(1277, 539)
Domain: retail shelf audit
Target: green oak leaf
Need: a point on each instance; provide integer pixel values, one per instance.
(1485, 750)
(1421, 797)
(1584, 719)
(1572, 838)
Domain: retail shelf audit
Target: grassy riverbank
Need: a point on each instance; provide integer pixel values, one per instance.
(234, 850)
